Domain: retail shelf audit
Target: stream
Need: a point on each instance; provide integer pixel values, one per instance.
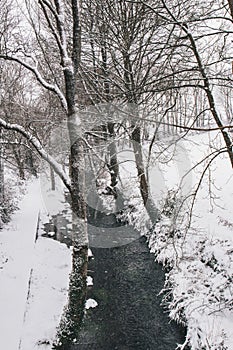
(127, 282)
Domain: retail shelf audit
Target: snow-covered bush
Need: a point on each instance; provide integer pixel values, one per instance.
(134, 214)
(167, 237)
(198, 289)
(13, 190)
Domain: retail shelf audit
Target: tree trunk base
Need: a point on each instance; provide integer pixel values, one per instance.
(73, 315)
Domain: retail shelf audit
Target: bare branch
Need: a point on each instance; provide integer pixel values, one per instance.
(39, 148)
(40, 79)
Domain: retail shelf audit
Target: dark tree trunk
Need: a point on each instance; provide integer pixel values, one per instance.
(113, 162)
(144, 186)
(230, 2)
(30, 162)
(136, 141)
(72, 320)
(73, 317)
(20, 162)
(52, 178)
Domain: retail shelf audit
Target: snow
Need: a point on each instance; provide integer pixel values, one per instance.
(198, 253)
(17, 245)
(90, 254)
(33, 278)
(91, 304)
(48, 292)
(89, 281)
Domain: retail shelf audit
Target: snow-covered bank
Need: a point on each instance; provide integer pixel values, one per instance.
(33, 278)
(47, 294)
(199, 289)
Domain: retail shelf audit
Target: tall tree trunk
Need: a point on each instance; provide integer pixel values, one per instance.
(52, 178)
(144, 185)
(30, 163)
(112, 149)
(113, 162)
(136, 141)
(72, 320)
(19, 161)
(135, 137)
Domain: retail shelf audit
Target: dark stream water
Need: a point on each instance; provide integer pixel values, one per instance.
(127, 282)
(129, 314)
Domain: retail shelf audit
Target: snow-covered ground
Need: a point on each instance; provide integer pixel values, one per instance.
(198, 291)
(199, 254)
(33, 278)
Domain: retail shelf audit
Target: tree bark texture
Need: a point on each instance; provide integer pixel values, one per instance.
(113, 162)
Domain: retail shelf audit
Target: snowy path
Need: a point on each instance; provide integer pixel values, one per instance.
(17, 241)
(25, 318)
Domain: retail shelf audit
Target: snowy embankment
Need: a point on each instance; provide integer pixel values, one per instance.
(197, 253)
(33, 278)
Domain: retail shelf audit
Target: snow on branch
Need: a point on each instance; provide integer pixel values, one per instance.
(60, 19)
(58, 30)
(44, 3)
(40, 79)
(40, 150)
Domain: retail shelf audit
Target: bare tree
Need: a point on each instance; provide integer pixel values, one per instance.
(66, 46)
(122, 62)
(136, 54)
